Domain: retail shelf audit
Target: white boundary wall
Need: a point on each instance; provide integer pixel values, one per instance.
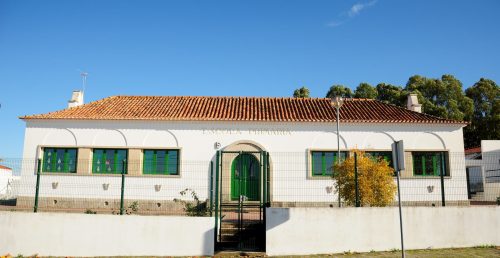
(59, 234)
(301, 231)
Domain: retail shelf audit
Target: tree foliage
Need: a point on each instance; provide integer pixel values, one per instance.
(339, 91)
(366, 91)
(375, 183)
(391, 94)
(302, 92)
(441, 97)
(485, 95)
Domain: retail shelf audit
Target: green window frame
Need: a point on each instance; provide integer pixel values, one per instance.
(322, 162)
(109, 161)
(59, 160)
(377, 155)
(161, 162)
(427, 163)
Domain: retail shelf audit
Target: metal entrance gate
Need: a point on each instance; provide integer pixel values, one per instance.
(240, 197)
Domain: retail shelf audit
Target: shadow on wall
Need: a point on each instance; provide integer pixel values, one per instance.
(276, 217)
(209, 242)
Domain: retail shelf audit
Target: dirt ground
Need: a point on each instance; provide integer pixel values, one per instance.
(475, 252)
(487, 252)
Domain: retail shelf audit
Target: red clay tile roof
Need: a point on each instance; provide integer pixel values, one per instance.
(473, 150)
(4, 167)
(240, 109)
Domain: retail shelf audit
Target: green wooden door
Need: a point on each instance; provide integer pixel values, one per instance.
(245, 176)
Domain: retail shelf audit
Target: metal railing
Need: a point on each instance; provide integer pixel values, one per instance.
(201, 186)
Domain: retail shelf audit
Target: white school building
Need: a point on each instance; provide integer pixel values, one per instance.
(171, 143)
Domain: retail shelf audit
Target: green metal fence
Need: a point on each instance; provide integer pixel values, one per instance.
(286, 179)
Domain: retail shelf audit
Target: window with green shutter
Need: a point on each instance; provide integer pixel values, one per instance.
(161, 162)
(59, 160)
(109, 161)
(322, 162)
(378, 155)
(429, 163)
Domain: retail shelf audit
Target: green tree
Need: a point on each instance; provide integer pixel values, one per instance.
(485, 94)
(340, 91)
(441, 97)
(391, 94)
(301, 93)
(365, 90)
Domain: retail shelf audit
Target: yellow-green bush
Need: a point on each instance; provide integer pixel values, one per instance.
(375, 181)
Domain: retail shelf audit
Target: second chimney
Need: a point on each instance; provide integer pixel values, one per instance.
(413, 104)
(76, 99)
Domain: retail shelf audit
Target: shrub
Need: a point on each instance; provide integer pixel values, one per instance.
(89, 211)
(132, 208)
(193, 208)
(375, 181)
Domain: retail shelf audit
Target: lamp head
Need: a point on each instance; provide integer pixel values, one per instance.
(337, 101)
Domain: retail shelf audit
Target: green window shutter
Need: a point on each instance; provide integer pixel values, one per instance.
(317, 163)
(424, 172)
(96, 161)
(108, 161)
(161, 162)
(167, 169)
(429, 163)
(53, 159)
(323, 162)
(66, 159)
(72, 160)
(434, 165)
(46, 159)
(330, 159)
(148, 161)
(444, 158)
(172, 162)
(417, 164)
(59, 160)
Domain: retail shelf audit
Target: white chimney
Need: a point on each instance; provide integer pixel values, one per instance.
(76, 99)
(412, 103)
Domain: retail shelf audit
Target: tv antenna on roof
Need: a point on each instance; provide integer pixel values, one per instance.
(84, 79)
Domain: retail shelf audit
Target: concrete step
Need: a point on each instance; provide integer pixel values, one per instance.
(479, 196)
(243, 209)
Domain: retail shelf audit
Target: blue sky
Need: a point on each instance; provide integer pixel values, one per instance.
(230, 48)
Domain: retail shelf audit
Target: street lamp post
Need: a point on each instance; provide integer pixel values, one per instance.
(337, 103)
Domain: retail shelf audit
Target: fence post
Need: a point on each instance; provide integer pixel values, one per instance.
(123, 186)
(468, 183)
(216, 196)
(443, 169)
(211, 187)
(39, 166)
(268, 183)
(356, 187)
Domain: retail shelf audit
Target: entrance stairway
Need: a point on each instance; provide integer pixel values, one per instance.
(241, 227)
(478, 196)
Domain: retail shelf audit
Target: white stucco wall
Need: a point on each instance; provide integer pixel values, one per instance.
(5, 178)
(287, 143)
(302, 231)
(59, 234)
